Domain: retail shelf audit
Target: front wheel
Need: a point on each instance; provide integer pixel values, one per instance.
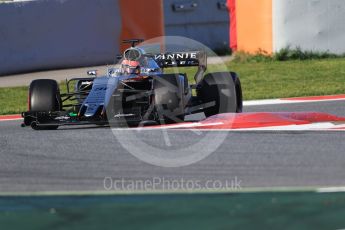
(44, 96)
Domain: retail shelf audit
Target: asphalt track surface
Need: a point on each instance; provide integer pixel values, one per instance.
(78, 159)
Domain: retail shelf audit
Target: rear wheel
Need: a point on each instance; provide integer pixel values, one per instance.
(220, 93)
(44, 96)
(238, 88)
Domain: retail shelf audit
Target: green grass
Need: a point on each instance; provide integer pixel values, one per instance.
(291, 78)
(285, 54)
(260, 80)
(13, 100)
(275, 79)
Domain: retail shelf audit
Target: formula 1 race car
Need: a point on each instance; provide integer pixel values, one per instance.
(136, 93)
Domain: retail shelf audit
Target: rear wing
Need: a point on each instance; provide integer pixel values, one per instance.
(181, 59)
(184, 59)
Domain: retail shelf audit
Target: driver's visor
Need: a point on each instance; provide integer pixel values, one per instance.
(130, 63)
(131, 69)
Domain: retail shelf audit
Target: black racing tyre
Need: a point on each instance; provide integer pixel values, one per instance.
(238, 87)
(44, 96)
(168, 98)
(218, 92)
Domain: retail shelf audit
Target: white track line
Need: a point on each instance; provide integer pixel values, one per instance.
(322, 126)
(244, 190)
(330, 189)
(313, 126)
(282, 101)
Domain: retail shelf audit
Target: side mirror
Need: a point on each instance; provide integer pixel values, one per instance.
(92, 72)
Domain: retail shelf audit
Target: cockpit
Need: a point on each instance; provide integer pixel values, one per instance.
(136, 61)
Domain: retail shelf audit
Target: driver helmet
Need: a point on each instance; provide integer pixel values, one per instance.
(130, 67)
